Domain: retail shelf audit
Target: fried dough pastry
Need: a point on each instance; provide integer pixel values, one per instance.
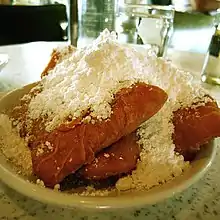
(52, 63)
(195, 126)
(54, 59)
(120, 158)
(64, 150)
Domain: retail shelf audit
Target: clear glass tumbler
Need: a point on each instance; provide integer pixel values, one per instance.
(145, 24)
(93, 17)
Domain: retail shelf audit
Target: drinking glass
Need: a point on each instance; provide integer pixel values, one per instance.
(145, 24)
(93, 17)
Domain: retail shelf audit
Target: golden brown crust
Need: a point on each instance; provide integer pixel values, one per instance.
(194, 127)
(71, 147)
(120, 158)
(54, 59)
(55, 56)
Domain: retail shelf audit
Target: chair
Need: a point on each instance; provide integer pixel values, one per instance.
(161, 2)
(21, 24)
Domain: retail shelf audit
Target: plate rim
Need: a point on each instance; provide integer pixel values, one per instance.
(53, 197)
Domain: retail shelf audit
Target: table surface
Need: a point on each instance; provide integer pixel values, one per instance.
(200, 201)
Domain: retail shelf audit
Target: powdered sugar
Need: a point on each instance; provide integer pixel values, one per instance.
(87, 79)
(179, 84)
(158, 161)
(13, 147)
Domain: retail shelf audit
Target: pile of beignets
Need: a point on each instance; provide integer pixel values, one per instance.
(97, 151)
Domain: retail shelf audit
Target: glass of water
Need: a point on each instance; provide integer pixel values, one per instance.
(149, 25)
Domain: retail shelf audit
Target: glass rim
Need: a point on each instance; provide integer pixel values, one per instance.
(148, 6)
(144, 10)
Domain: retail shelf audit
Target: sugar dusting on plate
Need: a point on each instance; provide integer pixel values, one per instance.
(13, 147)
(89, 78)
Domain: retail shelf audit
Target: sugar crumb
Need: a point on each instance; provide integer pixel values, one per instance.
(57, 187)
(106, 155)
(91, 191)
(40, 150)
(39, 182)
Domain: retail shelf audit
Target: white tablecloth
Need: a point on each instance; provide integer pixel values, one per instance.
(26, 62)
(201, 201)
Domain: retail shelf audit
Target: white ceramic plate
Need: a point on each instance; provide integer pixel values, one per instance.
(125, 200)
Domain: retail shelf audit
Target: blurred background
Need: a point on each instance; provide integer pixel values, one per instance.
(49, 23)
(81, 21)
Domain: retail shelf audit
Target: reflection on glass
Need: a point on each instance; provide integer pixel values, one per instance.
(64, 25)
(145, 24)
(95, 16)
